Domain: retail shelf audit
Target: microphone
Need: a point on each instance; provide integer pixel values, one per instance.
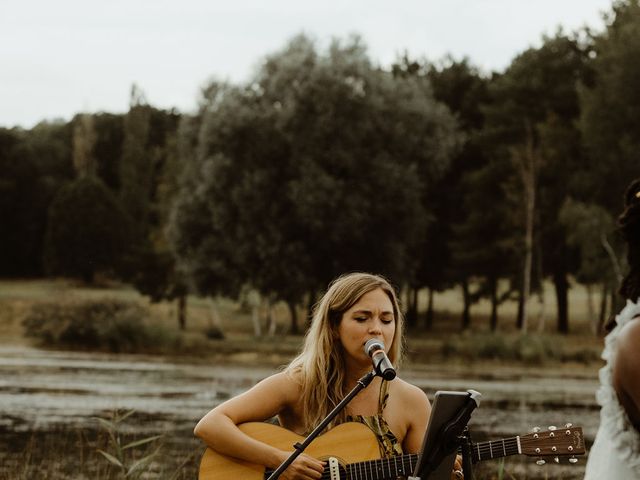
(374, 348)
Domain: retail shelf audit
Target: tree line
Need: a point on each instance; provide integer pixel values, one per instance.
(432, 173)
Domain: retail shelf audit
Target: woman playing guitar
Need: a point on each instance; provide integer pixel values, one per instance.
(356, 308)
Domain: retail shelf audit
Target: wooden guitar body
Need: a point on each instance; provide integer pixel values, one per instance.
(349, 443)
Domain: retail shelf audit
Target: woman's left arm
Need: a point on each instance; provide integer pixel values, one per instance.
(418, 408)
(419, 403)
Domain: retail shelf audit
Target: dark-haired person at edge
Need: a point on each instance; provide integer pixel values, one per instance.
(616, 451)
(356, 308)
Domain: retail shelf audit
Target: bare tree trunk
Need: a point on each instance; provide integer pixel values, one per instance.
(271, 318)
(520, 314)
(255, 320)
(429, 318)
(83, 140)
(310, 306)
(527, 161)
(494, 304)
(294, 317)
(603, 307)
(528, 256)
(214, 315)
(466, 297)
(591, 311)
(542, 304)
(562, 292)
(412, 307)
(182, 312)
(616, 303)
(273, 324)
(615, 264)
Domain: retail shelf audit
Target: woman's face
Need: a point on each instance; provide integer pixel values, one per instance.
(370, 317)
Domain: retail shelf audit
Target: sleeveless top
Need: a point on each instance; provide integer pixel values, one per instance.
(615, 452)
(389, 444)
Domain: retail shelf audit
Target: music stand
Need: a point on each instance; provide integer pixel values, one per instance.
(450, 414)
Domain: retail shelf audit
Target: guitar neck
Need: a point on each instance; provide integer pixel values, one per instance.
(384, 468)
(403, 465)
(390, 468)
(380, 469)
(495, 449)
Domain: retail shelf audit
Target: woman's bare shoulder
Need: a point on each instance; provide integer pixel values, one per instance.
(286, 382)
(629, 345)
(409, 392)
(629, 340)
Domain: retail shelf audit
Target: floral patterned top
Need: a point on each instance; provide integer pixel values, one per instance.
(389, 444)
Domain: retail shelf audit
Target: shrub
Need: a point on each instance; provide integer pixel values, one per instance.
(537, 348)
(214, 333)
(528, 348)
(105, 324)
(492, 346)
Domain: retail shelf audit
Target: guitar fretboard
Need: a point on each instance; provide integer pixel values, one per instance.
(382, 469)
(496, 449)
(403, 465)
(390, 468)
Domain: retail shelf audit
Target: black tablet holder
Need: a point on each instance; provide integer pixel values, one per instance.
(300, 447)
(447, 433)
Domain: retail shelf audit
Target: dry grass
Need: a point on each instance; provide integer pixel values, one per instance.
(542, 310)
(17, 297)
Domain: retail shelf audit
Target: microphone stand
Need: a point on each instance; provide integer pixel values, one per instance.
(300, 447)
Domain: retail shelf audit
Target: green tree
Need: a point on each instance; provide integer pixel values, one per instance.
(136, 167)
(460, 86)
(314, 168)
(107, 147)
(33, 165)
(531, 119)
(88, 231)
(610, 122)
(590, 228)
(481, 246)
(155, 271)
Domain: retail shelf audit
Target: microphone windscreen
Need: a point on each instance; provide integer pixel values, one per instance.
(372, 345)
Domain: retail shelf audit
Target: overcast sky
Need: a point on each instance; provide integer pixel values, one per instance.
(61, 57)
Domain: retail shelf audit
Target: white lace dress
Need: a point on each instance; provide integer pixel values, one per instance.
(615, 454)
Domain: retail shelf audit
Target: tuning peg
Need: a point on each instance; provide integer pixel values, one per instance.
(536, 429)
(573, 460)
(540, 462)
(568, 425)
(556, 459)
(552, 427)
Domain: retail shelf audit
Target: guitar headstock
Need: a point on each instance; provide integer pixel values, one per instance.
(554, 442)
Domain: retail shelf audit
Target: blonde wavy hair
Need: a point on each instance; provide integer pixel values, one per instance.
(319, 368)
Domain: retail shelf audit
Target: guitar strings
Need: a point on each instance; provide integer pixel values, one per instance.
(481, 450)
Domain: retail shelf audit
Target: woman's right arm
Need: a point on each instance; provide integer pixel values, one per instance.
(625, 373)
(219, 430)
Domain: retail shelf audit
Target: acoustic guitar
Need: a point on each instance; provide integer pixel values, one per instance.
(352, 452)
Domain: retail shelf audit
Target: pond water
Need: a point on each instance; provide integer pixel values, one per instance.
(49, 401)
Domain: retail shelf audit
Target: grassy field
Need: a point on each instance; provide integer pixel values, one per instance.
(17, 298)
